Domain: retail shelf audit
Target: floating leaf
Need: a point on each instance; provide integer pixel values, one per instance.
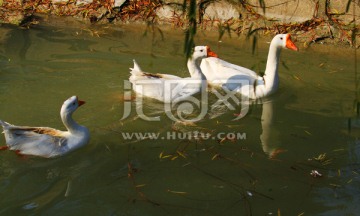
(181, 154)
(215, 156)
(177, 192)
(296, 77)
(68, 189)
(166, 156)
(30, 206)
(222, 140)
(307, 132)
(315, 173)
(321, 157)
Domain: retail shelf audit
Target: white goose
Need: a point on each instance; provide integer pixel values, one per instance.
(221, 73)
(48, 142)
(169, 88)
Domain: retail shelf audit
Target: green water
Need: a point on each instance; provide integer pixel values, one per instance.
(267, 172)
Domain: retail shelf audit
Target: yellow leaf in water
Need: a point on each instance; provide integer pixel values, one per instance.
(322, 64)
(215, 156)
(68, 189)
(173, 158)
(279, 213)
(177, 192)
(222, 140)
(181, 154)
(301, 214)
(321, 157)
(166, 156)
(307, 132)
(296, 77)
(141, 185)
(338, 150)
(339, 172)
(187, 164)
(161, 154)
(349, 181)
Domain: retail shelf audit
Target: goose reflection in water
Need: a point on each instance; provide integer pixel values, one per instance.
(270, 136)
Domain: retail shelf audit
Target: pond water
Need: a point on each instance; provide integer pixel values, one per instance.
(309, 124)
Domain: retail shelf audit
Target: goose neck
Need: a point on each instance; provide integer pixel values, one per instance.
(194, 68)
(271, 76)
(70, 124)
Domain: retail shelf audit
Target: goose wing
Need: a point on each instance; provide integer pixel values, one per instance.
(39, 141)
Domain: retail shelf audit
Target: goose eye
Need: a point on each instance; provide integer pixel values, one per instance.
(281, 38)
(73, 104)
(201, 50)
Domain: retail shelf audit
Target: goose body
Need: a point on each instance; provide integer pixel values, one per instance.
(221, 73)
(170, 88)
(45, 141)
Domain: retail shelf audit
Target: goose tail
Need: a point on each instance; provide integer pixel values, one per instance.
(136, 70)
(5, 125)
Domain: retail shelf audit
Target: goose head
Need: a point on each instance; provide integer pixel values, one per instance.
(70, 105)
(284, 41)
(201, 52)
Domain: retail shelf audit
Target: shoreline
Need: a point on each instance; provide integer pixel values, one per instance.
(310, 22)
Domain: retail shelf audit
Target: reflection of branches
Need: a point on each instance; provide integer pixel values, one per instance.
(131, 172)
(191, 31)
(353, 39)
(152, 28)
(245, 193)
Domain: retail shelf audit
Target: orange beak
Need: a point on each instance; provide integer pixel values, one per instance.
(80, 102)
(210, 53)
(290, 44)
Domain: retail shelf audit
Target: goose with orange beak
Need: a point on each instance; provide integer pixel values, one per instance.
(169, 88)
(245, 81)
(48, 142)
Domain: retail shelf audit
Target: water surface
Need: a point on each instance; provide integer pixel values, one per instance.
(267, 172)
